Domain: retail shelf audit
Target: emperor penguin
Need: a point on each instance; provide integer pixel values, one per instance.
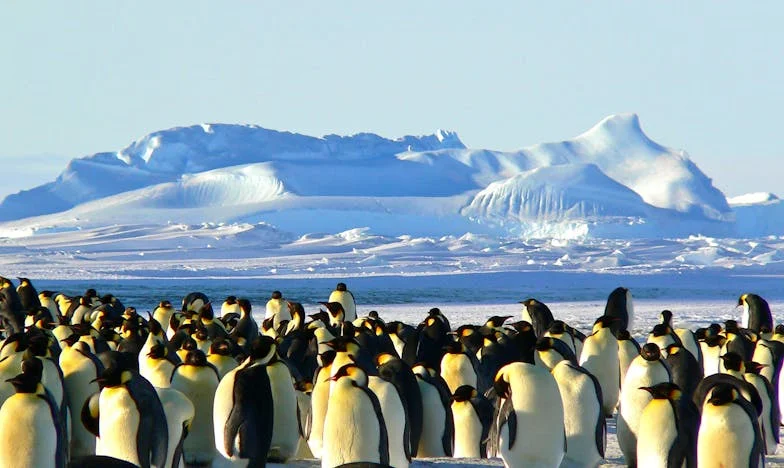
(685, 371)
(628, 349)
(647, 370)
(246, 329)
(277, 309)
(668, 429)
(473, 416)
(354, 428)
(285, 432)
(11, 311)
(756, 313)
(197, 379)
(342, 295)
(220, 357)
(319, 401)
(770, 417)
(537, 314)
(243, 408)
(179, 411)
(395, 419)
(620, 304)
(163, 313)
(584, 423)
(458, 368)
(193, 302)
(711, 348)
(127, 416)
(600, 358)
(529, 398)
(81, 369)
(572, 337)
(31, 410)
(769, 353)
(551, 351)
(395, 371)
(47, 300)
(229, 307)
(157, 367)
(28, 295)
(437, 421)
(729, 434)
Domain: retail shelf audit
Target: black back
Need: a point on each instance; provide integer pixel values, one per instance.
(252, 415)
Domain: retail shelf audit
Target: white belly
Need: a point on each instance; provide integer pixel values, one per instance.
(199, 385)
(468, 430)
(600, 358)
(725, 438)
(285, 433)
(78, 372)
(430, 444)
(118, 425)
(582, 410)
(394, 418)
(351, 430)
(656, 434)
(456, 370)
(34, 445)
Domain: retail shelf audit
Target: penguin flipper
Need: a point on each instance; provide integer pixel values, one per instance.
(251, 417)
(152, 440)
(383, 445)
(61, 454)
(90, 414)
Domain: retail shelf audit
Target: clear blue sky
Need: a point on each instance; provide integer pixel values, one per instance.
(83, 77)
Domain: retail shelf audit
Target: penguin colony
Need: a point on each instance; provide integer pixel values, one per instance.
(88, 382)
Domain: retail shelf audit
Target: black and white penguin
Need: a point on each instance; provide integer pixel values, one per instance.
(537, 314)
(551, 351)
(395, 418)
(31, 432)
(458, 367)
(756, 313)
(600, 358)
(179, 412)
(229, 307)
(628, 349)
(81, 369)
(11, 311)
(620, 304)
(277, 309)
(220, 356)
(473, 416)
(529, 398)
(669, 424)
(342, 295)
(243, 408)
(437, 421)
(28, 295)
(433, 337)
(193, 302)
(163, 313)
(729, 434)
(354, 429)
(647, 370)
(685, 371)
(246, 329)
(197, 379)
(157, 366)
(584, 423)
(395, 371)
(770, 417)
(127, 416)
(285, 432)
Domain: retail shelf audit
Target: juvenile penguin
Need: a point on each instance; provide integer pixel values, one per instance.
(342, 295)
(584, 423)
(600, 358)
(668, 429)
(354, 428)
(473, 416)
(756, 313)
(529, 398)
(647, 370)
(42, 442)
(197, 379)
(620, 304)
(729, 434)
(243, 408)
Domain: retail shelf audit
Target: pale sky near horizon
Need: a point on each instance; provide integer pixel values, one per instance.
(88, 76)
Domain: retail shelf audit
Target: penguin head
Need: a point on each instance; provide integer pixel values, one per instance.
(245, 305)
(497, 320)
(374, 315)
(220, 347)
(165, 305)
(732, 361)
(157, 351)
(296, 310)
(353, 372)
(544, 344)
(753, 367)
(114, 375)
(673, 349)
(779, 330)
(454, 347)
(464, 393)
(650, 352)
(464, 331)
(155, 327)
(17, 342)
(624, 335)
(262, 349)
(341, 287)
(230, 300)
(605, 321)
(335, 309)
(660, 330)
(326, 358)
(523, 327)
(276, 295)
(206, 314)
(189, 344)
(742, 299)
(30, 378)
(666, 318)
(344, 344)
(558, 327)
(501, 385)
(71, 339)
(196, 358)
(723, 394)
(731, 326)
(664, 391)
